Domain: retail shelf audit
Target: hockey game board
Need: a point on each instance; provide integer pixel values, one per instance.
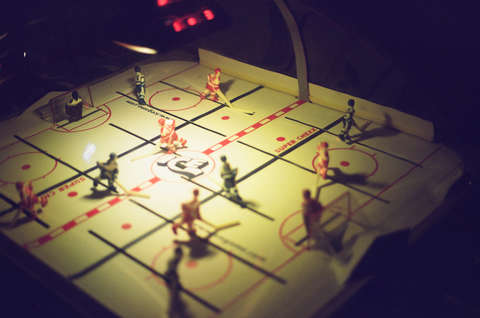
(116, 247)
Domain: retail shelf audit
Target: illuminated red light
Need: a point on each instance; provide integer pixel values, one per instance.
(208, 14)
(191, 21)
(177, 26)
(162, 2)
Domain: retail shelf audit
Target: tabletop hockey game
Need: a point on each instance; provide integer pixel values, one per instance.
(175, 198)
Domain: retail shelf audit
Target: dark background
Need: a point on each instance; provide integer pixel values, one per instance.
(419, 57)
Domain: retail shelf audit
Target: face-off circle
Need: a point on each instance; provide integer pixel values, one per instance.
(172, 99)
(195, 274)
(28, 166)
(191, 164)
(292, 230)
(351, 161)
(95, 119)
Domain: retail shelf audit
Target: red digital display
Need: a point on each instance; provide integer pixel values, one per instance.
(181, 23)
(208, 14)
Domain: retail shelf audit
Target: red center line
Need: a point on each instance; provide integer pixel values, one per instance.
(64, 228)
(254, 127)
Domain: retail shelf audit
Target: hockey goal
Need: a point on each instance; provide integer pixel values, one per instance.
(54, 112)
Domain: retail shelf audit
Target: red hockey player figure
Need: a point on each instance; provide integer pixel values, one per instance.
(312, 211)
(190, 212)
(213, 85)
(169, 136)
(323, 159)
(28, 199)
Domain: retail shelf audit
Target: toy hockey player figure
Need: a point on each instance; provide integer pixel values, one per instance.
(140, 86)
(228, 174)
(348, 121)
(169, 136)
(213, 85)
(190, 212)
(175, 306)
(312, 211)
(73, 108)
(28, 199)
(323, 159)
(109, 171)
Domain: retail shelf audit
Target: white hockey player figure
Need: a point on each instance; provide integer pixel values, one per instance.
(348, 121)
(213, 85)
(168, 135)
(140, 86)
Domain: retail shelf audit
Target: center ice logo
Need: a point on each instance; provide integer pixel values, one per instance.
(190, 164)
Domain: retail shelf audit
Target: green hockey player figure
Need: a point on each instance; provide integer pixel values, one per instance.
(228, 175)
(109, 171)
(140, 86)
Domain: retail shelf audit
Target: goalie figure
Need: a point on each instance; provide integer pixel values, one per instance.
(140, 86)
(73, 108)
(169, 136)
(213, 85)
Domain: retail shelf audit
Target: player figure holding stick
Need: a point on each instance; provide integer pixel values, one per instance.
(140, 86)
(348, 121)
(190, 212)
(323, 159)
(28, 199)
(109, 171)
(228, 175)
(213, 85)
(312, 211)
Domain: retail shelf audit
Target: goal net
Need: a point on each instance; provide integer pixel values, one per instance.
(54, 112)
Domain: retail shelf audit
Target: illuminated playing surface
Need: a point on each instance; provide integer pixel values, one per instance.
(116, 247)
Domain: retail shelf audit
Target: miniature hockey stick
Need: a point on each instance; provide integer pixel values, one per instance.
(132, 193)
(225, 99)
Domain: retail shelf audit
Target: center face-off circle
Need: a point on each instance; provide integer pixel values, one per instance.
(191, 164)
(172, 99)
(195, 274)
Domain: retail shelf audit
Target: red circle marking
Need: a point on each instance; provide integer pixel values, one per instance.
(344, 163)
(191, 263)
(225, 117)
(72, 194)
(126, 226)
(153, 97)
(176, 99)
(281, 139)
(24, 167)
(79, 126)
